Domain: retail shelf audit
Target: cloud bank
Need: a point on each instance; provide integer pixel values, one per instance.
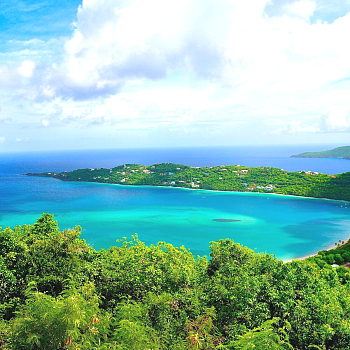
(258, 66)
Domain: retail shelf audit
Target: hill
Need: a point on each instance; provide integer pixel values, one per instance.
(339, 152)
(235, 178)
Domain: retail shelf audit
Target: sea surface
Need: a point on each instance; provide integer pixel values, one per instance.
(288, 227)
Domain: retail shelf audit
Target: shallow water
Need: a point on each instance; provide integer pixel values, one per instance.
(288, 227)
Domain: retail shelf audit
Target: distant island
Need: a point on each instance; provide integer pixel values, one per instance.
(235, 178)
(339, 152)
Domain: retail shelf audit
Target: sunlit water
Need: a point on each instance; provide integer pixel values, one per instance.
(288, 227)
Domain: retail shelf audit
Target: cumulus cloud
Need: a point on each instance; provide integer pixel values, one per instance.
(159, 64)
(53, 119)
(303, 9)
(115, 42)
(8, 77)
(26, 69)
(118, 43)
(318, 10)
(298, 127)
(13, 76)
(300, 9)
(336, 119)
(234, 44)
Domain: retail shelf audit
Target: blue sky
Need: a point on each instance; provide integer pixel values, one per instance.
(158, 73)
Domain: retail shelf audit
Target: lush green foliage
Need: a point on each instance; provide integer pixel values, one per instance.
(339, 152)
(55, 323)
(224, 178)
(58, 293)
(339, 255)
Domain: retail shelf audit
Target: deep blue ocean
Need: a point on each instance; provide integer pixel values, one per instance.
(275, 156)
(288, 227)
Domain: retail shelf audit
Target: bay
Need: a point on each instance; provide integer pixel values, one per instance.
(288, 227)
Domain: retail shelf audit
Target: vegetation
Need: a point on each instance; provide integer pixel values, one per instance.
(340, 255)
(339, 152)
(58, 293)
(224, 178)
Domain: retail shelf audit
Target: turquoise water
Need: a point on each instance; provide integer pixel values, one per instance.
(288, 227)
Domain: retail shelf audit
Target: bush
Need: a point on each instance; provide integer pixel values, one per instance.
(338, 259)
(51, 323)
(330, 259)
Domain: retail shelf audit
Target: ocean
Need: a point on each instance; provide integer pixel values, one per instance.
(275, 156)
(288, 227)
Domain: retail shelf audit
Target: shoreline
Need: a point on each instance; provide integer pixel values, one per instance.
(212, 191)
(314, 254)
(193, 189)
(226, 192)
(310, 255)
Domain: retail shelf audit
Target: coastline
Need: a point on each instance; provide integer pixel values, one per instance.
(242, 193)
(199, 189)
(314, 254)
(311, 255)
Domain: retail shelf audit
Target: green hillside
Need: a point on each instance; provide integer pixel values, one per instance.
(58, 293)
(339, 152)
(223, 178)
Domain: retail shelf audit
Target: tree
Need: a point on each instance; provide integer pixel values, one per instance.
(330, 259)
(51, 323)
(45, 225)
(267, 336)
(338, 259)
(132, 331)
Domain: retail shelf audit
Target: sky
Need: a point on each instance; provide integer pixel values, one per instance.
(158, 73)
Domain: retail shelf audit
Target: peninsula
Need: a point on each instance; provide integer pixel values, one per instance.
(235, 178)
(339, 152)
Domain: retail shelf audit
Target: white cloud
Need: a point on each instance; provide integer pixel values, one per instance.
(7, 77)
(165, 65)
(316, 11)
(303, 9)
(161, 63)
(27, 68)
(52, 118)
(336, 119)
(45, 122)
(2, 139)
(298, 127)
(118, 42)
(231, 45)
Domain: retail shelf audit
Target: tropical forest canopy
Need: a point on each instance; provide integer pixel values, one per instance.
(57, 292)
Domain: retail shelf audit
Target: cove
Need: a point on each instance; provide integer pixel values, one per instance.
(289, 227)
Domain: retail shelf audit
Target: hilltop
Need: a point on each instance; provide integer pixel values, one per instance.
(339, 152)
